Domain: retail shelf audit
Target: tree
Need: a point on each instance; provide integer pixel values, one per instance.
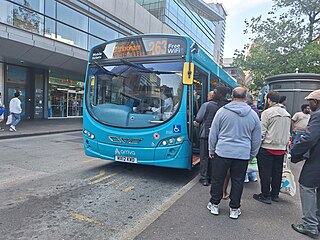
(283, 42)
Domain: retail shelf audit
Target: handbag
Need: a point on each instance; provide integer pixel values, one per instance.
(288, 184)
(9, 119)
(253, 166)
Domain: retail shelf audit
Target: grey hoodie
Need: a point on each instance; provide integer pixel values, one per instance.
(235, 132)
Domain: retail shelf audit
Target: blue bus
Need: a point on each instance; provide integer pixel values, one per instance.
(141, 96)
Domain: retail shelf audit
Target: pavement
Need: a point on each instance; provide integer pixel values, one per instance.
(184, 215)
(35, 127)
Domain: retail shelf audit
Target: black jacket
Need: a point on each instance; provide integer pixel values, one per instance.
(310, 173)
(206, 114)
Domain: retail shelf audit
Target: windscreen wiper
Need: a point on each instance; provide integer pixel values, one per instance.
(143, 69)
(106, 71)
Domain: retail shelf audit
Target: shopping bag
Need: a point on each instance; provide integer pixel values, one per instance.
(253, 166)
(288, 185)
(9, 119)
(2, 109)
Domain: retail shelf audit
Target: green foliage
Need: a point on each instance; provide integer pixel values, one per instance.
(282, 42)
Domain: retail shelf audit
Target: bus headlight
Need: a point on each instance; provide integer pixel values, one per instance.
(88, 134)
(171, 141)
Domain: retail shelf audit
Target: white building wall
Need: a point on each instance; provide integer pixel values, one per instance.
(131, 13)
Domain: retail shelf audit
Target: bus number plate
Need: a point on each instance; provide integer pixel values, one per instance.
(126, 159)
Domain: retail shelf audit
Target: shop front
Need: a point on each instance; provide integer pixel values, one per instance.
(65, 96)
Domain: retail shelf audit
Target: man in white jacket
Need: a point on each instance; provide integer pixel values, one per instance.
(15, 110)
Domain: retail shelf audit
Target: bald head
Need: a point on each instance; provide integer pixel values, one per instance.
(239, 94)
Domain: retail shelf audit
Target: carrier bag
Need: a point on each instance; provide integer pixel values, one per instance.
(9, 119)
(288, 185)
(253, 166)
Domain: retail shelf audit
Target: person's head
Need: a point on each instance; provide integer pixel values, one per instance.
(283, 100)
(220, 93)
(17, 94)
(249, 99)
(210, 95)
(239, 94)
(271, 98)
(314, 100)
(166, 91)
(305, 108)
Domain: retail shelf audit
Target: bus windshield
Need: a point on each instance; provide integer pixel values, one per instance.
(134, 95)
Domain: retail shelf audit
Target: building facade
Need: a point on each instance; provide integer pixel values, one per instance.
(44, 45)
(202, 22)
(235, 72)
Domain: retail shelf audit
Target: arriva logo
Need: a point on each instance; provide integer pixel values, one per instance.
(124, 152)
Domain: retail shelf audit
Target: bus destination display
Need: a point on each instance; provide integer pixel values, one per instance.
(135, 47)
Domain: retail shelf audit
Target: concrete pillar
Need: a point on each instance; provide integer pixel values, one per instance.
(2, 80)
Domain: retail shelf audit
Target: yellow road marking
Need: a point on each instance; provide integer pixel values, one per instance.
(120, 184)
(84, 218)
(128, 188)
(103, 178)
(101, 173)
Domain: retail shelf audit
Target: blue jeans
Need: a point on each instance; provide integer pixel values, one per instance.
(16, 118)
(295, 138)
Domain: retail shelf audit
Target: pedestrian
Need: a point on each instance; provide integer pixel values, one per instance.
(275, 127)
(252, 176)
(2, 108)
(15, 110)
(216, 99)
(234, 139)
(283, 102)
(310, 174)
(299, 123)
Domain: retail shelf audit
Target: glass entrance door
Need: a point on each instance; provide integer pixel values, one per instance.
(75, 103)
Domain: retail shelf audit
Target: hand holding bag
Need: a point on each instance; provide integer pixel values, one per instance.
(288, 185)
(9, 119)
(253, 166)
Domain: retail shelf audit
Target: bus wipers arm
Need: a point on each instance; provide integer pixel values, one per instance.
(107, 71)
(143, 69)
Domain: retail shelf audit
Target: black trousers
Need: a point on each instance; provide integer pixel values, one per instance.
(270, 172)
(238, 169)
(205, 169)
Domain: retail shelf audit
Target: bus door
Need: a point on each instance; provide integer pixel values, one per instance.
(200, 92)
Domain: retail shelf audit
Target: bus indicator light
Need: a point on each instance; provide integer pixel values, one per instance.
(156, 136)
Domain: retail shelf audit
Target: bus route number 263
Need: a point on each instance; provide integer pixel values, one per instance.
(157, 47)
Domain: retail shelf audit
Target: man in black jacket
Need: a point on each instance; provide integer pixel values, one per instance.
(310, 174)
(207, 111)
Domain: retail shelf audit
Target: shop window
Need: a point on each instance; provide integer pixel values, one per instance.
(65, 97)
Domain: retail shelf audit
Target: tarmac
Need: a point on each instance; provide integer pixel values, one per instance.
(184, 215)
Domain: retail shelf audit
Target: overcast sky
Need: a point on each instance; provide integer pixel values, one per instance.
(238, 11)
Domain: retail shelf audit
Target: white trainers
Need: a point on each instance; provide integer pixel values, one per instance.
(235, 213)
(12, 128)
(214, 209)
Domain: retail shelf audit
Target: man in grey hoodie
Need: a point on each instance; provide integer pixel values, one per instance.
(234, 139)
